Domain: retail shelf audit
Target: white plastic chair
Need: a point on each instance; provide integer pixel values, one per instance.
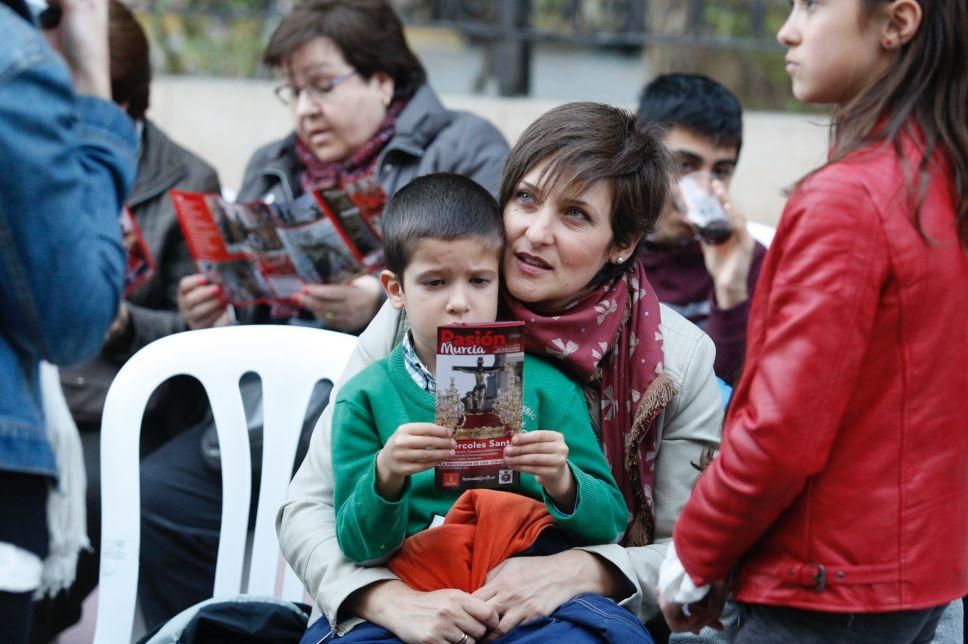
(290, 361)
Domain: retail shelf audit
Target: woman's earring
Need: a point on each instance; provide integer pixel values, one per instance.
(386, 101)
(619, 260)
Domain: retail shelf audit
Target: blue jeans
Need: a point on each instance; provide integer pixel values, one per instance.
(586, 618)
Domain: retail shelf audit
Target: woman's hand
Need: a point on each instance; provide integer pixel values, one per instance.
(436, 617)
(201, 303)
(544, 454)
(342, 307)
(524, 588)
(413, 448)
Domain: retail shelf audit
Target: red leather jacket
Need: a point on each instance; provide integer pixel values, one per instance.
(842, 484)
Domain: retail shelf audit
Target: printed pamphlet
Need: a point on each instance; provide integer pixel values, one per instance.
(140, 266)
(480, 368)
(264, 253)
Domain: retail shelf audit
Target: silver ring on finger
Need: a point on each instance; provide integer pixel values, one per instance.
(463, 638)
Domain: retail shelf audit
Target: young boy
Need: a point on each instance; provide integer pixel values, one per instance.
(443, 237)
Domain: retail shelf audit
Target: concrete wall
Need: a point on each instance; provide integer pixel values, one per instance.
(224, 120)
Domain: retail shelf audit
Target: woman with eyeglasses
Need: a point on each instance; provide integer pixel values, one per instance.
(361, 108)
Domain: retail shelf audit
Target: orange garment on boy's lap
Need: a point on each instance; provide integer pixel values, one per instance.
(482, 529)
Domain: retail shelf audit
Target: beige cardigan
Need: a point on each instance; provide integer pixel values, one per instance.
(306, 522)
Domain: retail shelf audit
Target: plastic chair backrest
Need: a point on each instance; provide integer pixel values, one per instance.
(290, 360)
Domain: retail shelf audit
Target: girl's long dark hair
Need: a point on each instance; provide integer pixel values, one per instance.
(926, 85)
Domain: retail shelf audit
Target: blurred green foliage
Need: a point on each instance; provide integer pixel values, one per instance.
(758, 78)
(223, 38)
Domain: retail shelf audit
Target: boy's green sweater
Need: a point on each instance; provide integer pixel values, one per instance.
(371, 406)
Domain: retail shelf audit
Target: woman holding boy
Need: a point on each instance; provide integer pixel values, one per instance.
(581, 188)
(443, 236)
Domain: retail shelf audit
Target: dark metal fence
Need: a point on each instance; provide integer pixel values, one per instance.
(226, 36)
(508, 29)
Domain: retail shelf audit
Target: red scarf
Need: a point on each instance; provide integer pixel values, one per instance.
(317, 174)
(610, 341)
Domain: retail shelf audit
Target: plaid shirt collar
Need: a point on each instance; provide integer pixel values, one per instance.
(416, 369)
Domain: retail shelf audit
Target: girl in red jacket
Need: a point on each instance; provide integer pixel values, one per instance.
(840, 497)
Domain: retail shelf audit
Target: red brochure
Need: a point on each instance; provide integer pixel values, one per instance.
(480, 370)
(140, 266)
(264, 253)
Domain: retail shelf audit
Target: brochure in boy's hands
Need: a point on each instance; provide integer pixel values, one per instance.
(480, 370)
(261, 252)
(140, 266)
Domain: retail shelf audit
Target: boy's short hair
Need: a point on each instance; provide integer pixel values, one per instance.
(442, 206)
(694, 102)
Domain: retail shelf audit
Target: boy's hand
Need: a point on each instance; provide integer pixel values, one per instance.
(544, 454)
(413, 448)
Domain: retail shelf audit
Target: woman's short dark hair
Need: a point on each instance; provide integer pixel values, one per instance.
(584, 143)
(130, 60)
(368, 33)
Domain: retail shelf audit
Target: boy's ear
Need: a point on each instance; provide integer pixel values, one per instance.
(393, 288)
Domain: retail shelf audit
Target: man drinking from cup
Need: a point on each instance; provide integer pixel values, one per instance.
(700, 258)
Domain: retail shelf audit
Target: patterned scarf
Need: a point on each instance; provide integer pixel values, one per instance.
(317, 174)
(610, 341)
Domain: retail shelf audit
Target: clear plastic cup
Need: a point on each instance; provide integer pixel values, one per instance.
(702, 209)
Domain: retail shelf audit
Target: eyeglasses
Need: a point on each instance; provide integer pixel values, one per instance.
(317, 89)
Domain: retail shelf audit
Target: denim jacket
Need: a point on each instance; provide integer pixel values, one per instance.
(66, 165)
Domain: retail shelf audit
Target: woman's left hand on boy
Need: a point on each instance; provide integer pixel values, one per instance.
(521, 589)
(439, 616)
(544, 454)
